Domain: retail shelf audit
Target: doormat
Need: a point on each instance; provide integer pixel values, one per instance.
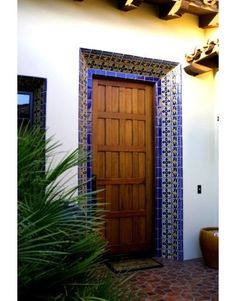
(133, 264)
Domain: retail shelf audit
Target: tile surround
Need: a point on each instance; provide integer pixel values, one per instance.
(37, 86)
(166, 77)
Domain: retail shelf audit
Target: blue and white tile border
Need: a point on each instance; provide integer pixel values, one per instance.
(166, 77)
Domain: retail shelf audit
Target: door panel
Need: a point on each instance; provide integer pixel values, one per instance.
(123, 162)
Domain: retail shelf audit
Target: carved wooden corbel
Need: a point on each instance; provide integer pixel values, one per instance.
(173, 9)
(211, 46)
(207, 10)
(210, 2)
(209, 20)
(203, 59)
(190, 58)
(127, 5)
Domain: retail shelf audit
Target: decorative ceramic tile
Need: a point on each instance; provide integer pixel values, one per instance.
(168, 134)
(38, 86)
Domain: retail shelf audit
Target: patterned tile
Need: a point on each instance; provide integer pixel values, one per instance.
(168, 167)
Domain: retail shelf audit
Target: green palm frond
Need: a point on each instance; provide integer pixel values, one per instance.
(58, 225)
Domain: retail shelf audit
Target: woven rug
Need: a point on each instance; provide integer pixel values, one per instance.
(133, 264)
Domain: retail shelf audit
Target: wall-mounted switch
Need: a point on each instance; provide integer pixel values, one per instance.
(199, 188)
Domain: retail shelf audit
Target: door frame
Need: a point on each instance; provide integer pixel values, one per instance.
(166, 77)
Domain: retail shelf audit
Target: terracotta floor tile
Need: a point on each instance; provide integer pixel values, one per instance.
(189, 280)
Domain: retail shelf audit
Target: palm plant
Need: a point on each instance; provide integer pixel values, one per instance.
(59, 245)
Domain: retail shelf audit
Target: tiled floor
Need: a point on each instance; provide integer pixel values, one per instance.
(188, 280)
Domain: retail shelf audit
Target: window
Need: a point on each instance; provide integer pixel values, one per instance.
(25, 108)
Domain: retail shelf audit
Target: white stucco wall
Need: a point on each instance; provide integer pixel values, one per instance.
(200, 147)
(50, 33)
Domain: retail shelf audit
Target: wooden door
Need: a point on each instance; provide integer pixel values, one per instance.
(123, 162)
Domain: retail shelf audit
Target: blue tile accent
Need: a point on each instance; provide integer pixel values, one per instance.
(180, 245)
(159, 243)
(140, 77)
(89, 141)
(130, 76)
(89, 103)
(158, 151)
(89, 83)
(158, 192)
(159, 228)
(110, 73)
(179, 182)
(90, 72)
(158, 172)
(100, 72)
(148, 78)
(180, 193)
(159, 203)
(159, 253)
(180, 172)
(158, 131)
(158, 120)
(159, 182)
(89, 93)
(156, 79)
(120, 74)
(158, 161)
(158, 141)
(180, 131)
(180, 215)
(179, 119)
(180, 254)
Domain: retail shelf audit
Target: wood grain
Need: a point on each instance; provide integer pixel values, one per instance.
(123, 161)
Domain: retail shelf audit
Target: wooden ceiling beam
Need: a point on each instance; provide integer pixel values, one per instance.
(127, 5)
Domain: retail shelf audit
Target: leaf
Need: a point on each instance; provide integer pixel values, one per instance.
(58, 226)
